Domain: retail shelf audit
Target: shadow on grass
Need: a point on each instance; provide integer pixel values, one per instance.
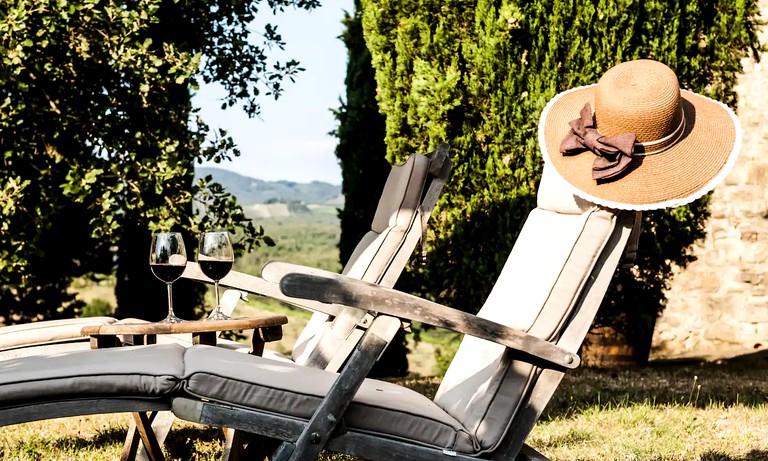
(103, 438)
(700, 386)
(754, 455)
(184, 442)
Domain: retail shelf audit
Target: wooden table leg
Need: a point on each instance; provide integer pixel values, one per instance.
(104, 341)
(264, 335)
(233, 442)
(131, 444)
(208, 338)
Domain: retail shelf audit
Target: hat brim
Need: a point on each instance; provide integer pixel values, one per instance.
(692, 167)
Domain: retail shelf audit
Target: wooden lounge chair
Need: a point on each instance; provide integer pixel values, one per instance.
(409, 195)
(514, 354)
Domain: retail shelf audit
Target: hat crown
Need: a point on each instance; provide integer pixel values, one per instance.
(640, 97)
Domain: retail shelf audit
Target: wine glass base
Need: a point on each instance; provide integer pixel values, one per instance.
(172, 319)
(218, 315)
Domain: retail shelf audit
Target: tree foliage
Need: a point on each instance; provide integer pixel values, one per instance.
(477, 73)
(98, 135)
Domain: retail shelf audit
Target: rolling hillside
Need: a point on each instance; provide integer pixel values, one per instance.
(250, 191)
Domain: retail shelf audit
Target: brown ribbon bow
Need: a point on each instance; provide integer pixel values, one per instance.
(613, 154)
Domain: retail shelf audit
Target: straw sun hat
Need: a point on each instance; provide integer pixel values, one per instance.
(636, 141)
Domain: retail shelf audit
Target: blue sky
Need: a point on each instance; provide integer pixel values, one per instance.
(291, 139)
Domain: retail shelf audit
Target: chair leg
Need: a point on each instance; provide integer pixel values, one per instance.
(131, 444)
(161, 426)
(283, 452)
(132, 439)
(260, 447)
(144, 428)
(233, 445)
(529, 454)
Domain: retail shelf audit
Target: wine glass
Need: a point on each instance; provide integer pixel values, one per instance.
(168, 258)
(215, 256)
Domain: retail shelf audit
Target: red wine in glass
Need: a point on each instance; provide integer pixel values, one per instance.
(167, 259)
(168, 273)
(215, 269)
(216, 257)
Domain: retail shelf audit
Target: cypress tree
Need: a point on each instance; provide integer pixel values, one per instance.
(364, 168)
(477, 74)
(361, 150)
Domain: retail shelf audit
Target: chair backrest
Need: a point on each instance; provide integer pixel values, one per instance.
(551, 286)
(410, 193)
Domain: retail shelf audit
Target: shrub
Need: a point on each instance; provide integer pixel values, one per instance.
(478, 73)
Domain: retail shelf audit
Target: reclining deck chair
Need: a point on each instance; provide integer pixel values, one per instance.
(400, 221)
(512, 359)
(410, 193)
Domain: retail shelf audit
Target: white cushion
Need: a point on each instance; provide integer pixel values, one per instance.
(535, 292)
(396, 215)
(47, 331)
(554, 195)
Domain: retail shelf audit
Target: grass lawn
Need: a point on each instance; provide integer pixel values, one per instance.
(659, 413)
(669, 413)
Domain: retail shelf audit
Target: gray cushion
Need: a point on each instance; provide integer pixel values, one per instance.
(286, 388)
(142, 371)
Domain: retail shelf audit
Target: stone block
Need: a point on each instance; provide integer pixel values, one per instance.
(739, 174)
(758, 174)
(752, 277)
(722, 333)
(759, 306)
(749, 235)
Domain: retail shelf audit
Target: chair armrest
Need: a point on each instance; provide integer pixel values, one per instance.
(345, 291)
(274, 271)
(258, 286)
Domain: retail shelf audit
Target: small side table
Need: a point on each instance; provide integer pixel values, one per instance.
(266, 328)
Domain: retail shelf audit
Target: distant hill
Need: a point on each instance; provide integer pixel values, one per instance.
(251, 191)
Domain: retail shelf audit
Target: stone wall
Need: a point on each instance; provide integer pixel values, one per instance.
(718, 306)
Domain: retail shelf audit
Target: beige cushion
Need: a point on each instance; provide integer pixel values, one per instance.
(130, 372)
(80, 344)
(286, 388)
(47, 331)
(46, 337)
(536, 291)
(554, 195)
(396, 215)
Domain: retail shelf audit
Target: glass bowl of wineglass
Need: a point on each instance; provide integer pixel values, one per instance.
(216, 257)
(168, 258)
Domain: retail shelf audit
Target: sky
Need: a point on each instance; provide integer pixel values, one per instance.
(290, 140)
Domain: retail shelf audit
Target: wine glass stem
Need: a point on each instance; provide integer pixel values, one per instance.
(216, 289)
(170, 301)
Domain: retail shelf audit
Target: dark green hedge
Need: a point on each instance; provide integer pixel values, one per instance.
(478, 73)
